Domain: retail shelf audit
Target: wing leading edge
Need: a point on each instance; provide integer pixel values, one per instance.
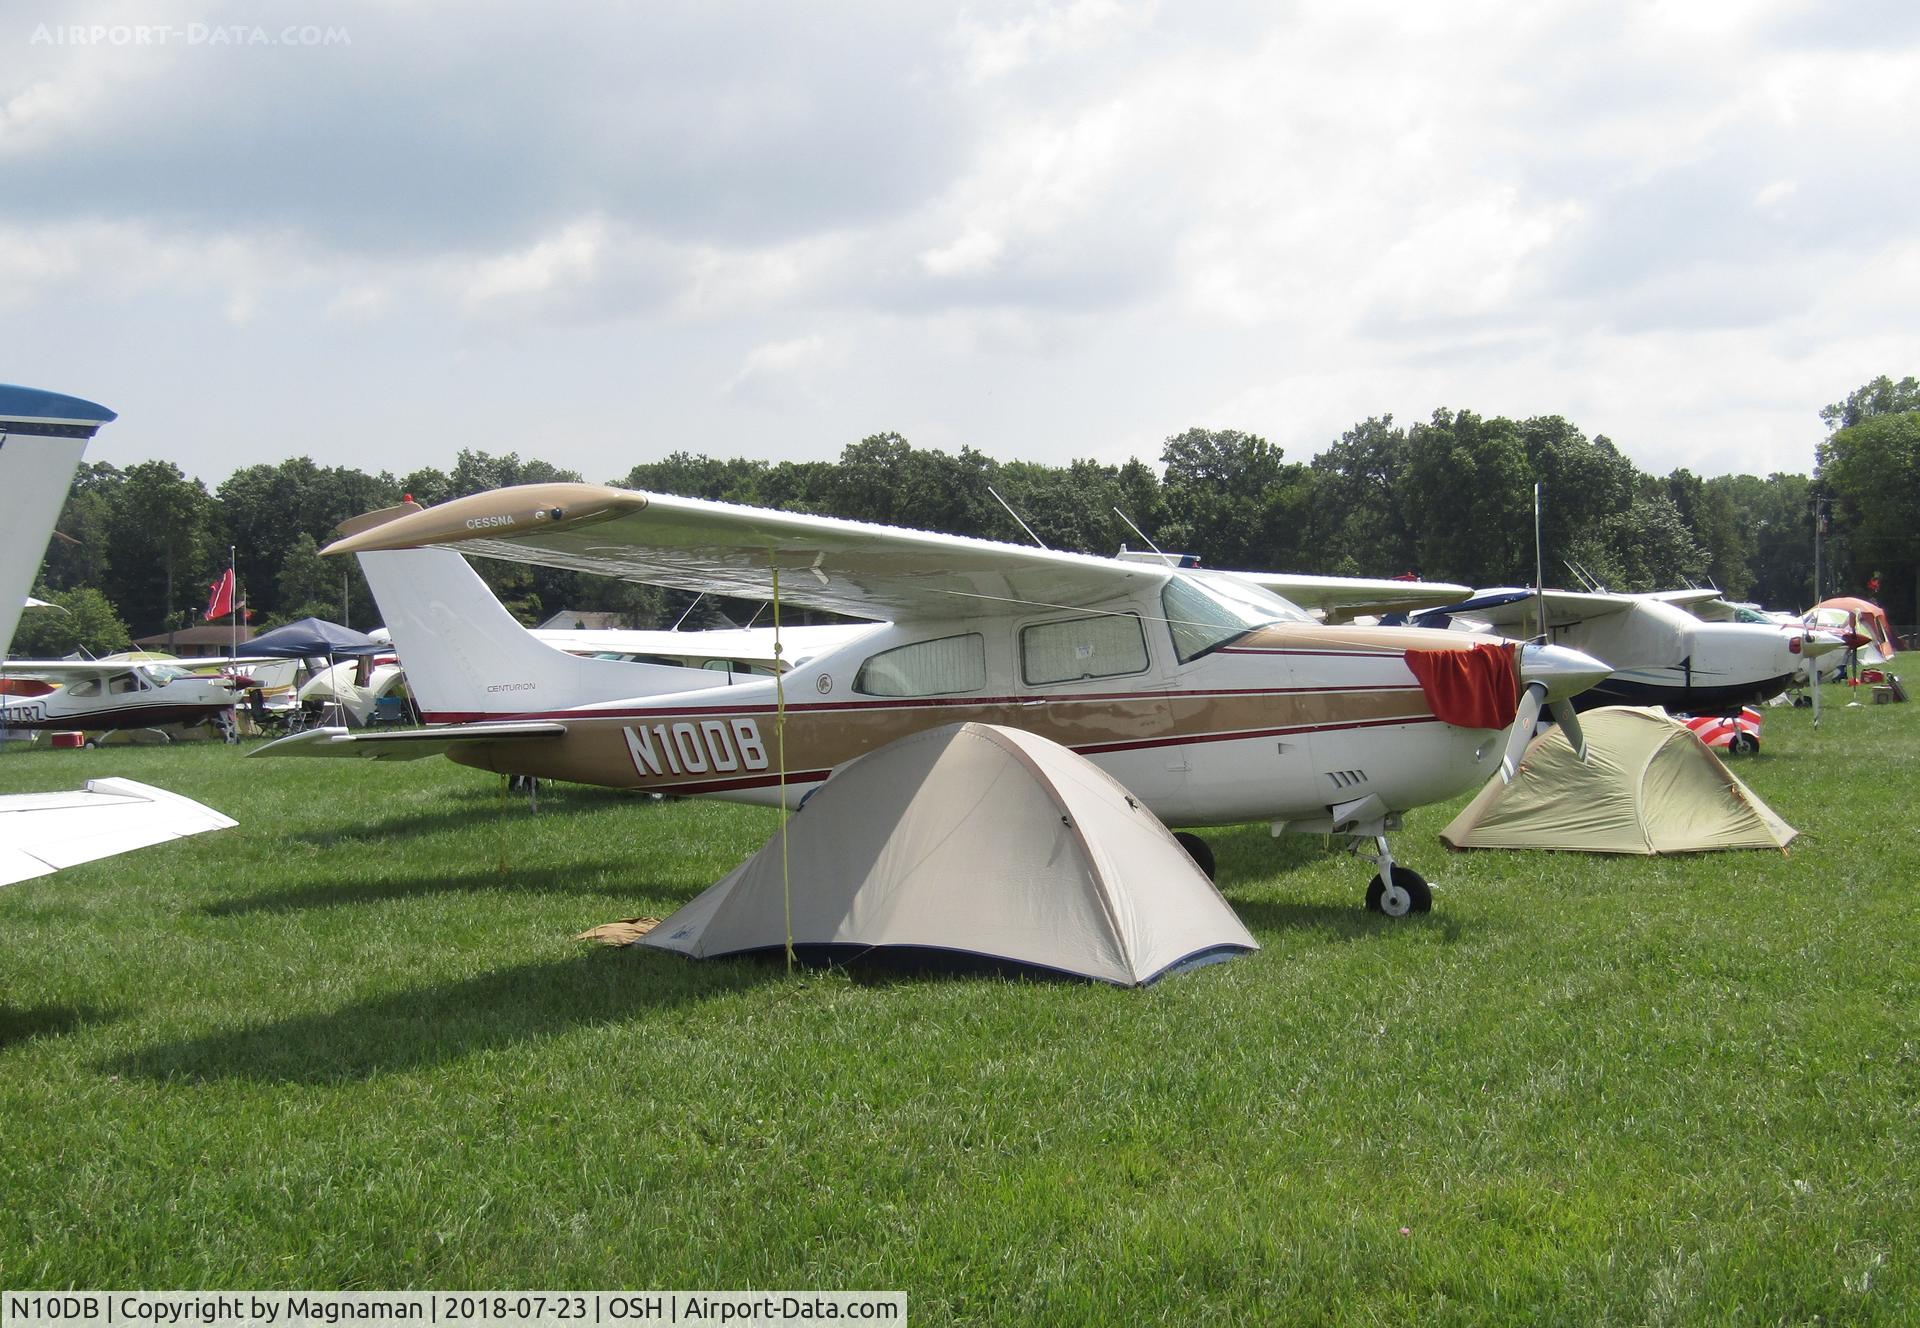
(880, 573)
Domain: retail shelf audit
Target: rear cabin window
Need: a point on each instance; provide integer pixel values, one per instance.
(1078, 648)
(926, 668)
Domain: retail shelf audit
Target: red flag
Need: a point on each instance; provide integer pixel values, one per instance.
(220, 599)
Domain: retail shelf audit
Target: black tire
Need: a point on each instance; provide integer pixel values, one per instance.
(1744, 744)
(1419, 893)
(1198, 849)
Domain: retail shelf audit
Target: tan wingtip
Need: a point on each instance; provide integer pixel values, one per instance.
(499, 514)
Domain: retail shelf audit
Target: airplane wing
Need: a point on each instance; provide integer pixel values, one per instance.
(1707, 605)
(746, 645)
(64, 670)
(880, 573)
(41, 833)
(1519, 608)
(1341, 598)
(405, 744)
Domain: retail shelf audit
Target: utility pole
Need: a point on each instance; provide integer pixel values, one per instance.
(1819, 529)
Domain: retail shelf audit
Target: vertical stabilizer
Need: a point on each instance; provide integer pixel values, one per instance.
(467, 658)
(42, 436)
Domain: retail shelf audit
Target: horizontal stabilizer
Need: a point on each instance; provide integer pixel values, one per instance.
(41, 833)
(405, 744)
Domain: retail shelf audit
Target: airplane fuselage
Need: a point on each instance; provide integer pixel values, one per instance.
(1279, 725)
(130, 700)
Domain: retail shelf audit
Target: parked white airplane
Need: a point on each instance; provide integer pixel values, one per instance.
(42, 436)
(102, 695)
(1659, 653)
(1212, 700)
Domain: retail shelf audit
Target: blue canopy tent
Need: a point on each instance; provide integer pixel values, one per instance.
(312, 637)
(316, 638)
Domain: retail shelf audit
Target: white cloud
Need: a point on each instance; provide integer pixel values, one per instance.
(1050, 230)
(564, 260)
(780, 375)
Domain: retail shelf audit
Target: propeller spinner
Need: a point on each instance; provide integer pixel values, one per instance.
(1550, 677)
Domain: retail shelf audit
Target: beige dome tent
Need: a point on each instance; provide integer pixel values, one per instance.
(1648, 785)
(978, 841)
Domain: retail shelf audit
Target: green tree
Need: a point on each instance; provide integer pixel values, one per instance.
(1779, 510)
(1882, 396)
(82, 620)
(1872, 471)
(78, 553)
(883, 478)
(692, 476)
(1470, 498)
(1233, 499)
(160, 561)
(1586, 488)
(307, 585)
(1358, 518)
(1650, 546)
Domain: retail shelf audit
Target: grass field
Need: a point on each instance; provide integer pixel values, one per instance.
(353, 1044)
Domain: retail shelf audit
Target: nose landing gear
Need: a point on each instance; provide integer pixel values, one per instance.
(1396, 891)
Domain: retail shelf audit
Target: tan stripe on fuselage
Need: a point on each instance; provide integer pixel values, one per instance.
(822, 737)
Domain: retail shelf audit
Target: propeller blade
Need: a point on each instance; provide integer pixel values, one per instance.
(1522, 731)
(1569, 721)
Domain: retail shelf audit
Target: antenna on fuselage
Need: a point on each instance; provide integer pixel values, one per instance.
(1141, 533)
(690, 608)
(1539, 566)
(1016, 516)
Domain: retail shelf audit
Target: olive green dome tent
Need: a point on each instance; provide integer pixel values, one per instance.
(1648, 786)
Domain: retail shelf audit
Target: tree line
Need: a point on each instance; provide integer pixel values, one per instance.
(1449, 498)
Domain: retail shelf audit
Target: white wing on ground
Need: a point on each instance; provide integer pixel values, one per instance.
(41, 833)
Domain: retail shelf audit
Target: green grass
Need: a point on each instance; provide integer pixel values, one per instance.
(352, 1044)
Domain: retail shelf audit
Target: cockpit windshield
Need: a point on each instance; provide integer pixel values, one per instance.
(162, 674)
(1207, 610)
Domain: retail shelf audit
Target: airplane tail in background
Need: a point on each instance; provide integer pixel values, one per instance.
(42, 436)
(467, 658)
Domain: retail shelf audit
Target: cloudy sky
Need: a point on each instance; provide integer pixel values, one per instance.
(599, 232)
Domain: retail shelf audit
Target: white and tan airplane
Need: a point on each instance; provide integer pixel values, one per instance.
(42, 437)
(1213, 700)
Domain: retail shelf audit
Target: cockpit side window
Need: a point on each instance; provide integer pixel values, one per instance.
(940, 667)
(1074, 649)
(1202, 617)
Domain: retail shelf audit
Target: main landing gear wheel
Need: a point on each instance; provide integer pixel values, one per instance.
(1409, 893)
(1198, 849)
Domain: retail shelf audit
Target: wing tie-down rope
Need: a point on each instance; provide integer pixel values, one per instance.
(780, 744)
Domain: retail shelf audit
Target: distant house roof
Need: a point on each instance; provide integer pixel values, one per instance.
(585, 620)
(213, 640)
